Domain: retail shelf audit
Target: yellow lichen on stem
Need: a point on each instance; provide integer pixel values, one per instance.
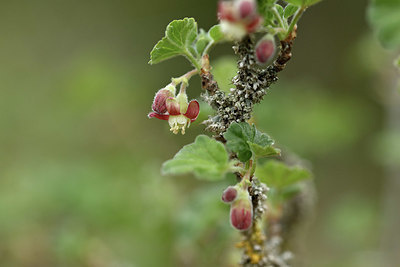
(253, 243)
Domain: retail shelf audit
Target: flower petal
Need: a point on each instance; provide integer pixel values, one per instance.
(241, 217)
(159, 105)
(173, 106)
(226, 11)
(158, 116)
(253, 25)
(193, 110)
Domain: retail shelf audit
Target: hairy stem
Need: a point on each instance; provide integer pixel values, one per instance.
(193, 60)
(294, 21)
(184, 78)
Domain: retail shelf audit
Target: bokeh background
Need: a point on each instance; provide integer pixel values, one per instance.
(80, 160)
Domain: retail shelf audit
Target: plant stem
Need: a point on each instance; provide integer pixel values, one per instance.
(209, 45)
(191, 73)
(253, 166)
(295, 19)
(193, 60)
(182, 90)
(184, 78)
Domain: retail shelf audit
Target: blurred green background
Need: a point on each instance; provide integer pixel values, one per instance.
(80, 160)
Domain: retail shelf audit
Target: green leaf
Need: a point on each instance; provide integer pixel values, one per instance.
(384, 15)
(237, 136)
(245, 140)
(269, 18)
(263, 4)
(178, 40)
(303, 3)
(277, 197)
(265, 9)
(206, 39)
(278, 175)
(206, 158)
(215, 33)
(202, 41)
(264, 151)
(289, 11)
(239, 146)
(279, 8)
(290, 191)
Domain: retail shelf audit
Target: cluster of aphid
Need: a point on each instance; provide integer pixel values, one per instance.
(251, 84)
(238, 19)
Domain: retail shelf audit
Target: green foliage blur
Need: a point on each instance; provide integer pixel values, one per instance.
(80, 181)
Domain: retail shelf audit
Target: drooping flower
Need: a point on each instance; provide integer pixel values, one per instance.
(238, 18)
(176, 110)
(159, 102)
(241, 214)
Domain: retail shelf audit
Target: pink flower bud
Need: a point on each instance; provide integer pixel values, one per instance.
(159, 102)
(265, 49)
(229, 194)
(247, 8)
(242, 211)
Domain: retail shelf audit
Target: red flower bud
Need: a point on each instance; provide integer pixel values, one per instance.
(265, 49)
(229, 194)
(242, 212)
(159, 102)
